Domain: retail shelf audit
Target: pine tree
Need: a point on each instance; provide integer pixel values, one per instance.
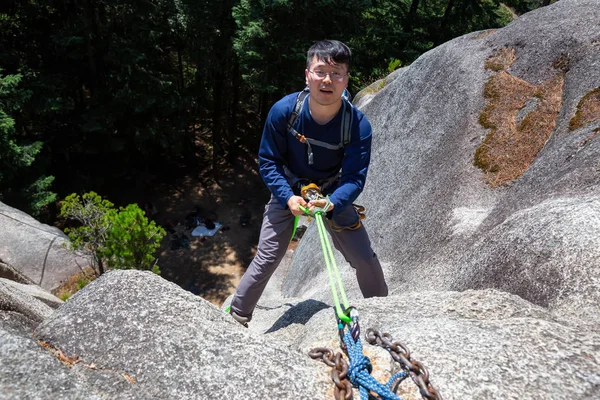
(20, 184)
(119, 239)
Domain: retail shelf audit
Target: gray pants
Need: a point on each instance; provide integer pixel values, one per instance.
(275, 234)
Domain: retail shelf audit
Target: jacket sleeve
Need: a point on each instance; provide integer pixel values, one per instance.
(355, 165)
(272, 153)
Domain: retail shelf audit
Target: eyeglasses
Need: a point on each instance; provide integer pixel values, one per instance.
(334, 76)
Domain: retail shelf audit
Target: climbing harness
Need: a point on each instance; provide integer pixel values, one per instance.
(360, 210)
(345, 126)
(358, 372)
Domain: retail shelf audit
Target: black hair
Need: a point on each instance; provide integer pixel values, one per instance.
(330, 51)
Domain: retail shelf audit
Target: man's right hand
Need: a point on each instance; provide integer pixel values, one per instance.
(293, 204)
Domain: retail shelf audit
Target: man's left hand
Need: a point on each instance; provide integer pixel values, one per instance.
(319, 204)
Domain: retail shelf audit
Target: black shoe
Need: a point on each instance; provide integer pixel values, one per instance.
(241, 320)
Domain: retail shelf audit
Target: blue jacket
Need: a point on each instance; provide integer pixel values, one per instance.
(278, 148)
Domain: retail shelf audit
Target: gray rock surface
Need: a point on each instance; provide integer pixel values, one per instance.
(35, 291)
(173, 344)
(16, 300)
(475, 344)
(363, 97)
(29, 371)
(8, 272)
(434, 222)
(36, 250)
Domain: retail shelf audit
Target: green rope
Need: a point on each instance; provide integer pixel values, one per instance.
(332, 270)
(335, 269)
(296, 218)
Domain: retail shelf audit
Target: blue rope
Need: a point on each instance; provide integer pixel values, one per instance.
(360, 369)
(400, 375)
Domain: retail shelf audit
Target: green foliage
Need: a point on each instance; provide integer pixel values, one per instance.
(523, 6)
(93, 213)
(38, 194)
(272, 39)
(122, 239)
(82, 282)
(13, 154)
(133, 240)
(394, 65)
(20, 184)
(104, 79)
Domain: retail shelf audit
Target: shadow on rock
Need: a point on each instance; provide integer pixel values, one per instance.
(301, 313)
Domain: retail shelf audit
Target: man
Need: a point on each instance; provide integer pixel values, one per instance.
(311, 153)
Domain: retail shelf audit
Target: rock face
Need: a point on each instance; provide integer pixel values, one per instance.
(155, 340)
(475, 344)
(493, 269)
(31, 252)
(134, 335)
(439, 222)
(14, 299)
(35, 291)
(27, 369)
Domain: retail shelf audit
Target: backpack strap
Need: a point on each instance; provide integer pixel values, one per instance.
(296, 112)
(345, 126)
(347, 119)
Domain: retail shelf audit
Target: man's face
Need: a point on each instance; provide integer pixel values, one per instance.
(326, 81)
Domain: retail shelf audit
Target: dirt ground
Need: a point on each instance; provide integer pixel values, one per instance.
(212, 266)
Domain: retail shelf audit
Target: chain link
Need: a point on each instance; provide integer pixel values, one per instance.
(339, 371)
(401, 354)
(398, 351)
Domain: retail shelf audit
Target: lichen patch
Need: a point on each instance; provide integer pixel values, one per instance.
(501, 60)
(484, 34)
(588, 110)
(515, 138)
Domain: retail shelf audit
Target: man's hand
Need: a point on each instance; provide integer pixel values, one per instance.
(293, 204)
(321, 203)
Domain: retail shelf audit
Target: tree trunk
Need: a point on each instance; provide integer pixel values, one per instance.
(235, 97)
(264, 107)
(100, 265)
(216, 119)
(441, 35)
(412, 14)
(89, 37)
(180, 65)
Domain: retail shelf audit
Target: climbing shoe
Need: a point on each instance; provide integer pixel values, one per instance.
(242, 320)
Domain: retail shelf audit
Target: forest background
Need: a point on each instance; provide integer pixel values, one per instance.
(116, 94)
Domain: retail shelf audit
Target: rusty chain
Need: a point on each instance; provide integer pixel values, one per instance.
(339, 371)
(401, 354)
(398, 351)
